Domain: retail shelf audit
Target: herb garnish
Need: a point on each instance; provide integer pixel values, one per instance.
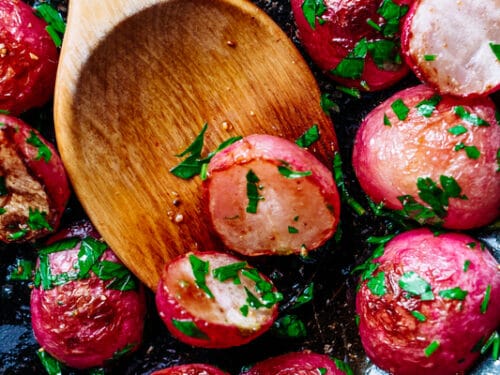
(454, 293)
(200, 271)
(189, 328)
(122, 278)
(392, 13)
(387, 122)
(50, 364)
(310, 136)
(427, 106)
(328, 105)
(313, 10)
(43, 150)
(400, 109)
(376, 284)
(498, 160)
(253, 192)
(457, 130)
(56, 26)
(496, 50)
(412, 283)
(344, 193)
(431, 348)
(419, 316)
(494, 341)
(471, 151)
(471, 118)
(230, 271)
(352, 91)
(285, 171)
(486, 299)
(305, 296)
(23, 270)
(466, 265)
(343, 366)
(322, 370)
(430, 57)
(289, 326)
(353, 64)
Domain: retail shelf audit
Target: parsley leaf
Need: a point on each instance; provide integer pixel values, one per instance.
(400, 109)
(471, 118)
(189, 328)
(289, 173)
(43, 150)
(353, 64)
(427, 106)
(230, 271)
(431, 348)
(313, 10)
(289, 326)
(412, 283)
(454, 293)
(253, 192)
(457, 130)
(50, 364)
(328, 105)
(496, 50)
(56, 26)
(310, 136)
(376, 284)
(472, 152)
(486, 299)
(200, 271)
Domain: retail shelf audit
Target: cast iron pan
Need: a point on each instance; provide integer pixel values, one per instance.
(330, 317)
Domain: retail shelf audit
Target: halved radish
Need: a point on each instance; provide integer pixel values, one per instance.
(34, 188)
(215, 300)
(429, 303)
(355, 42)
(435, 158)
(266, 195)
(303, 363)
(454, 46)
(191, 369)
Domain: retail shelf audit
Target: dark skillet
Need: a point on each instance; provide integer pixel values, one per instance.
(330, 317)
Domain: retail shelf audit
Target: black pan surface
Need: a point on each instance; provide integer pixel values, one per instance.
(329, 318)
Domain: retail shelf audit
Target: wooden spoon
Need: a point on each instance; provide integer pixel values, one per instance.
(138, 79)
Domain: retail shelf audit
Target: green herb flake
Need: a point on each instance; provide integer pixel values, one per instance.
(373, 24)
(387, 122)
(376, 284)
(292, 230)
(321, 370)
(313, 10)
(471, 118)
(88, 255)
(229, 272)
(412, 283)
(22, 271)
(457, 130)
(419, 316)
(200, 271)
(122, 279)
(2, 210)
(291, 174)
(430, 57)
(43, 150)
(328, 105)
(454, 293)
(3, 112)
(14, 236)
(37, 220)
(120, 353)
(49, 363)
(496, 50)
(306, 296)
(494, 342)
(310, 136)
(344, 193)
(383, 52)
(400, 109)
(343, 366)
(471, 151)
(289, 326)
(244, 310)
(353, 64)
(56, 25)
(427, 106)
(189, 328)
(486, 299)
(431, 348)
(65, 244)
(253, 192)
(466, 265)
(352, 91)
(498, 160)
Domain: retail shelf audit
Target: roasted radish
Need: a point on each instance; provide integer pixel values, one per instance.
(266, 195)
(86, 307)
(28, 58)
(434, 158)
(34, 188)
(454, 46)
(355, 42)
(429, 303)
(215, 300)
(191, 369)
(303, 363)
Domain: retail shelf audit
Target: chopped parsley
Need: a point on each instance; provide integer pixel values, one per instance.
(56, 25)
(494, 342)
(412, 283)
(328, 105)
(387, 122)
(472, 152)
(354, 92)
(43, 150)
(392, 13)
(292, 230)
(343, 366)
(373, 24)
(457, 130)
(305, 296)
(313, 10)
(427, 106)
(344, 193)
(189, 328)
(23, 270)
(285, 171)
(376, 284)
(454, 293)
(431, 348)
(498, 160)
(466, 265)
(289, 326)
(471, 118)
(496, 50)
(353, 64)
(200, 271)
(253, 192)
(430, 57)
(321, 370)
(400, 109)
(419, 316)
(486, 299)
(49, 363)
(230, 271)
(122, 278)
(310, 136)
(37, 220)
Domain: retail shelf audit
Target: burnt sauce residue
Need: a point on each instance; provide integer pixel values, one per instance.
(329, 317)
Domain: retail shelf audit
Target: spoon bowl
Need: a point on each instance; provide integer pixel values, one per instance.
(137, 81)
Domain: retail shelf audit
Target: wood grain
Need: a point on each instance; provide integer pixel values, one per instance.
(137, 81)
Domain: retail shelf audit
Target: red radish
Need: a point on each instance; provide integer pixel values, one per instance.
(300, 363)
(86, 307)
(355, 42)
(215, 300)
(34, 188)
(28, 58)
(430, 303)
(266, 195)
(438, 160)
(191, 369)
(454, 46)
